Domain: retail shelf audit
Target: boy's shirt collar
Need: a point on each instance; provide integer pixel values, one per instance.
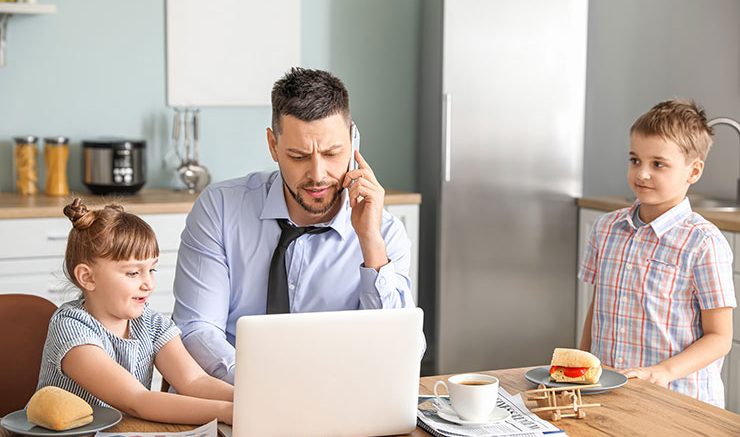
(665, 221)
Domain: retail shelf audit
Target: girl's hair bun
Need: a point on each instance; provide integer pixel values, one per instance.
(115, 207)
(78, 214)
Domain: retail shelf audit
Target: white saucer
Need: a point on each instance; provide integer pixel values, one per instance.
(497, 415)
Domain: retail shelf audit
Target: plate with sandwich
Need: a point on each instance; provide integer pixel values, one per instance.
(571, 367)
(53, 411)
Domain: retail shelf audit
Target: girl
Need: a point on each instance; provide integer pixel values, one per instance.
(102, 346)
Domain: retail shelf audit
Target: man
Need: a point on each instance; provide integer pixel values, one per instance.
(242, 254)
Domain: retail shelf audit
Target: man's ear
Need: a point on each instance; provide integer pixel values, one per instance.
(272, 144)
(83, 273)
(697, 168)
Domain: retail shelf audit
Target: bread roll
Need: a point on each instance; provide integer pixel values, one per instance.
(574, 365)
(58, 410)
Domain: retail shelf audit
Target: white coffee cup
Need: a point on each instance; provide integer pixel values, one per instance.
(472, 395)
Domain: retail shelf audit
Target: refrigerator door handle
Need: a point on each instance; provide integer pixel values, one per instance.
(446, 134)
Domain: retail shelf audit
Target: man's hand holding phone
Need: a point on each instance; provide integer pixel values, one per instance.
(366, 198)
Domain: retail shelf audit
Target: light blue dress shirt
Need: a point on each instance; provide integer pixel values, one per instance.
(224, 261)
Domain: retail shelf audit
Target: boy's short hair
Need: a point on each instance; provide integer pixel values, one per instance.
(680, 121)
(308, 95)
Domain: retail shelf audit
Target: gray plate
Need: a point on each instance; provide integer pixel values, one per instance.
(609, 380)
(103, 418)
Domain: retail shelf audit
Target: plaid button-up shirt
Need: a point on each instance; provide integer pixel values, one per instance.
(650, 285)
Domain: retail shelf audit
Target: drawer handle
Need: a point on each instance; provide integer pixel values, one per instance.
(56, 237)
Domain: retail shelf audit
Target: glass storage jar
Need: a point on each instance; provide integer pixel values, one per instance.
(26, 175)
(56, 154)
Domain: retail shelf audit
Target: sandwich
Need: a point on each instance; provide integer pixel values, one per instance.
(573, 365)
(57, 409)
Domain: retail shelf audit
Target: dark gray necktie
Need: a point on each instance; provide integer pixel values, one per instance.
(278, 300)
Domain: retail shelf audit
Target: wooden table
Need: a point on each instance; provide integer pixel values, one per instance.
(638, 408)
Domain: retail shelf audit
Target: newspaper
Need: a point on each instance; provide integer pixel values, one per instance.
(522, 423)
(207, 430)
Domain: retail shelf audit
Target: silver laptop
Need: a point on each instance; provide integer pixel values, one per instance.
(348, 373)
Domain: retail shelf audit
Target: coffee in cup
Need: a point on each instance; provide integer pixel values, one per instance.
(472, 395)
(476, 382)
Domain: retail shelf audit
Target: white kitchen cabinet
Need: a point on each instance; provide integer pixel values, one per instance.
(409, 216)
(217, 55)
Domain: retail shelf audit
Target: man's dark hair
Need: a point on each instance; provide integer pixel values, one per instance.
(308, 95)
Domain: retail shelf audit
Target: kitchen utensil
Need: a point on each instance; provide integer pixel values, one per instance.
(185, 171)
(193, 175)
(202, 177)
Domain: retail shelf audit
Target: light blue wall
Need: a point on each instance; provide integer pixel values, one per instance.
(98, 68)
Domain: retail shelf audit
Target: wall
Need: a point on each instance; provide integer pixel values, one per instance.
(642, 52)
(98, 68)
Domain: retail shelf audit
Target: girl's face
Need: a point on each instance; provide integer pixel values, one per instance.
(121, 288)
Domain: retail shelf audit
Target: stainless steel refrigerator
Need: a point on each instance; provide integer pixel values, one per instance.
(502, 100)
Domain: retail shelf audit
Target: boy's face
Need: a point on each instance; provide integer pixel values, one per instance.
(659, 174)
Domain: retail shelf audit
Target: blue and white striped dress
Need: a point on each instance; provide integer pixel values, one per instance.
(71, 325)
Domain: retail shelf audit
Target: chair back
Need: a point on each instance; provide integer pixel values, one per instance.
(24, 322)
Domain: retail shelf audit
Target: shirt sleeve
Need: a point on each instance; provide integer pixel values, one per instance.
(390, 287)
(590, 260)
(162, 330)
(712, 273)
(202, 288)
(67, 332)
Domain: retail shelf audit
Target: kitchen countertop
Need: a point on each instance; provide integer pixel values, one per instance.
(148, 201)
(726, 221)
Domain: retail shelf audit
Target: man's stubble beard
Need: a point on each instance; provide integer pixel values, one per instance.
(310, 208)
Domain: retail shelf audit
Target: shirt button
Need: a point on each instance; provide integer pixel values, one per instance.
(622, 330)
(291, 286)
(620, 360)
(381, 282)
(623, 299)
(628, 267)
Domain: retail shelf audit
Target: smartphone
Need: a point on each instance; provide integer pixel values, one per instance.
(354, 134)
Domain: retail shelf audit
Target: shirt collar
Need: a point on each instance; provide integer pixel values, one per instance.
(667, 220)
(276, 208)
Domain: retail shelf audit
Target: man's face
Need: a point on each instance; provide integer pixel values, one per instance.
(313, 158)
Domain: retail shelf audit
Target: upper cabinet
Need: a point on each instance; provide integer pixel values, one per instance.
(229, 52)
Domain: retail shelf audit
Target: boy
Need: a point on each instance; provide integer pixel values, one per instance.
(662, 274)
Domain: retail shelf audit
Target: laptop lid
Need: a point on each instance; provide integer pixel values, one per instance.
(347, 373)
